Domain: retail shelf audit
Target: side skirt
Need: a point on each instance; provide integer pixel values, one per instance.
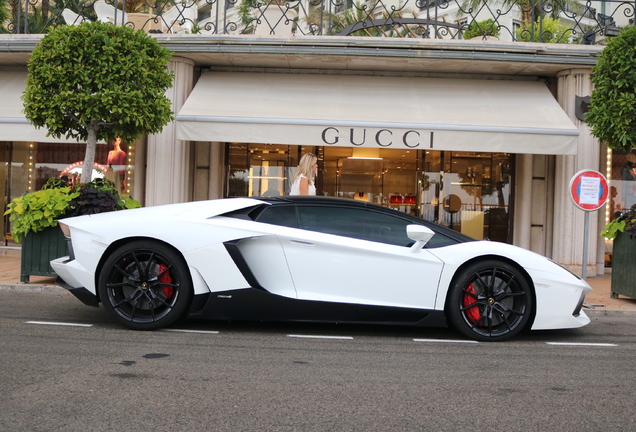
(252, 304)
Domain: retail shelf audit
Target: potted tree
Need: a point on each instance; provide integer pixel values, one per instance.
(113, 85)
(35, 215)
(611, 119)
(622, 231)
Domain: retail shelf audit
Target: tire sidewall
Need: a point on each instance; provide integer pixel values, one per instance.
(455, 316)
(179, 266)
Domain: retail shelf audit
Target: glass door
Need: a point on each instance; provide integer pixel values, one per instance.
(474, 194)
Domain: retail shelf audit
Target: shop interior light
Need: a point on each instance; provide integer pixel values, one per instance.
(608, 175)
(365, 154)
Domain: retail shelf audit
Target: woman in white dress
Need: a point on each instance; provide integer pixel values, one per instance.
(303, 182)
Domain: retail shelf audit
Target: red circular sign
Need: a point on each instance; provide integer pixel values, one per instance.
(589, 190)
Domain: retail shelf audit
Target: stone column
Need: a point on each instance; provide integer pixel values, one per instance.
(168, 159)
(217, 170)
(569, 219)
(523, 205)
(209, 175)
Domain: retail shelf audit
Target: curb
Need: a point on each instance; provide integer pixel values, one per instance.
(610, 313)
(36, 289)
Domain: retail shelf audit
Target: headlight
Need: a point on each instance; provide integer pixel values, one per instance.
(566, 269)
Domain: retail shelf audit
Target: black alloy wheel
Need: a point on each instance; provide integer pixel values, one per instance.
(145, 285)
(490, 301)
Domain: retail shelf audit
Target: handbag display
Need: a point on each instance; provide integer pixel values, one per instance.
(396, 198)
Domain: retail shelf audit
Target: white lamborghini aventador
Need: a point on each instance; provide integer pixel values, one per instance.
(310, 259)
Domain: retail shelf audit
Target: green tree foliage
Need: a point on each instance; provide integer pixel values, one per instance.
(96, 81)
(4, 16)
(481, 29)
(550, 30)
(612, 113)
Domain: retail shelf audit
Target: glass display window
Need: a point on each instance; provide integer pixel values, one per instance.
(622, 179)
(475, 194)
(380, 176)
(467, 191)
(257, 170)
(28, 165)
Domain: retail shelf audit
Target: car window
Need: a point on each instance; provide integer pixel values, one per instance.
(283, 215)
(358, 223)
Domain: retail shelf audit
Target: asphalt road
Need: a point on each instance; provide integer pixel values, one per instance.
(290, 377)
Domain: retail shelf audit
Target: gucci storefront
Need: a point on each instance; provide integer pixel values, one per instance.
(419, 145)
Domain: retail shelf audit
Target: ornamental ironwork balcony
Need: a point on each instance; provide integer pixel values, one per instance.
(559, 21)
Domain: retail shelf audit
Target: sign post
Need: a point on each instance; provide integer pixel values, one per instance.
(589, 191)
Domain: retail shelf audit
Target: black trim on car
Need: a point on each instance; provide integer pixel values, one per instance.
(84, 295)
(257, 305)
(298, 200)
(198, 303)
(579, 306)
(241, 264)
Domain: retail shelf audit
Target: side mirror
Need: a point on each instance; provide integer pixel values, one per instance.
(420, 235)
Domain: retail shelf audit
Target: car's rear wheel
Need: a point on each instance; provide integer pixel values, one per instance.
(145, 285)
(490, 301)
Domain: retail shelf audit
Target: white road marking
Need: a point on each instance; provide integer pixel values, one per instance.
(446, 341)
(582, 344)
(59, 324)
(590, 344)
(191, 331)
(319, 337)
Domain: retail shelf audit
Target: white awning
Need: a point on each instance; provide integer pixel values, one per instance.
(13, 124)
(377, 111)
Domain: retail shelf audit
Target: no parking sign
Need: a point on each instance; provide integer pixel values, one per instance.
(589, 190)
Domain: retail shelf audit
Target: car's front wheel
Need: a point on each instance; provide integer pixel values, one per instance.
(145, 285)
(490, 301)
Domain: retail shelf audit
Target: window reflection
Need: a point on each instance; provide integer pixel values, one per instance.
(622, 176)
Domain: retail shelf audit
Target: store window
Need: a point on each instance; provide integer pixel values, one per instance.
(469, 192)
(29, 165)
(266, 170)
(622, 178)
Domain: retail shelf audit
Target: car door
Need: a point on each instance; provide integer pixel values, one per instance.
(354, 255)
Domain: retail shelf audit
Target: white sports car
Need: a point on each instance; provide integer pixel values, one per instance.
(310, 259)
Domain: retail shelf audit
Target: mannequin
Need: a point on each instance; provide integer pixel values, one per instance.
(116, 156)
(117, 165)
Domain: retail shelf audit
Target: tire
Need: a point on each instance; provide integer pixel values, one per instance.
(490, 301)
(145, 285)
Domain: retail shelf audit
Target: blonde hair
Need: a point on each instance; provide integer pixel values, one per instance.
(304, 167)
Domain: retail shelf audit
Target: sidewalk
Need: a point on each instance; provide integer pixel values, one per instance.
(598, 302)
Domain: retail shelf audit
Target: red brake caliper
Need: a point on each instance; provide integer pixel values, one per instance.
(166, 279)
(473, 312)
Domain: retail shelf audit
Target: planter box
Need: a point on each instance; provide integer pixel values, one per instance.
(623, 266)
(38, 249)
